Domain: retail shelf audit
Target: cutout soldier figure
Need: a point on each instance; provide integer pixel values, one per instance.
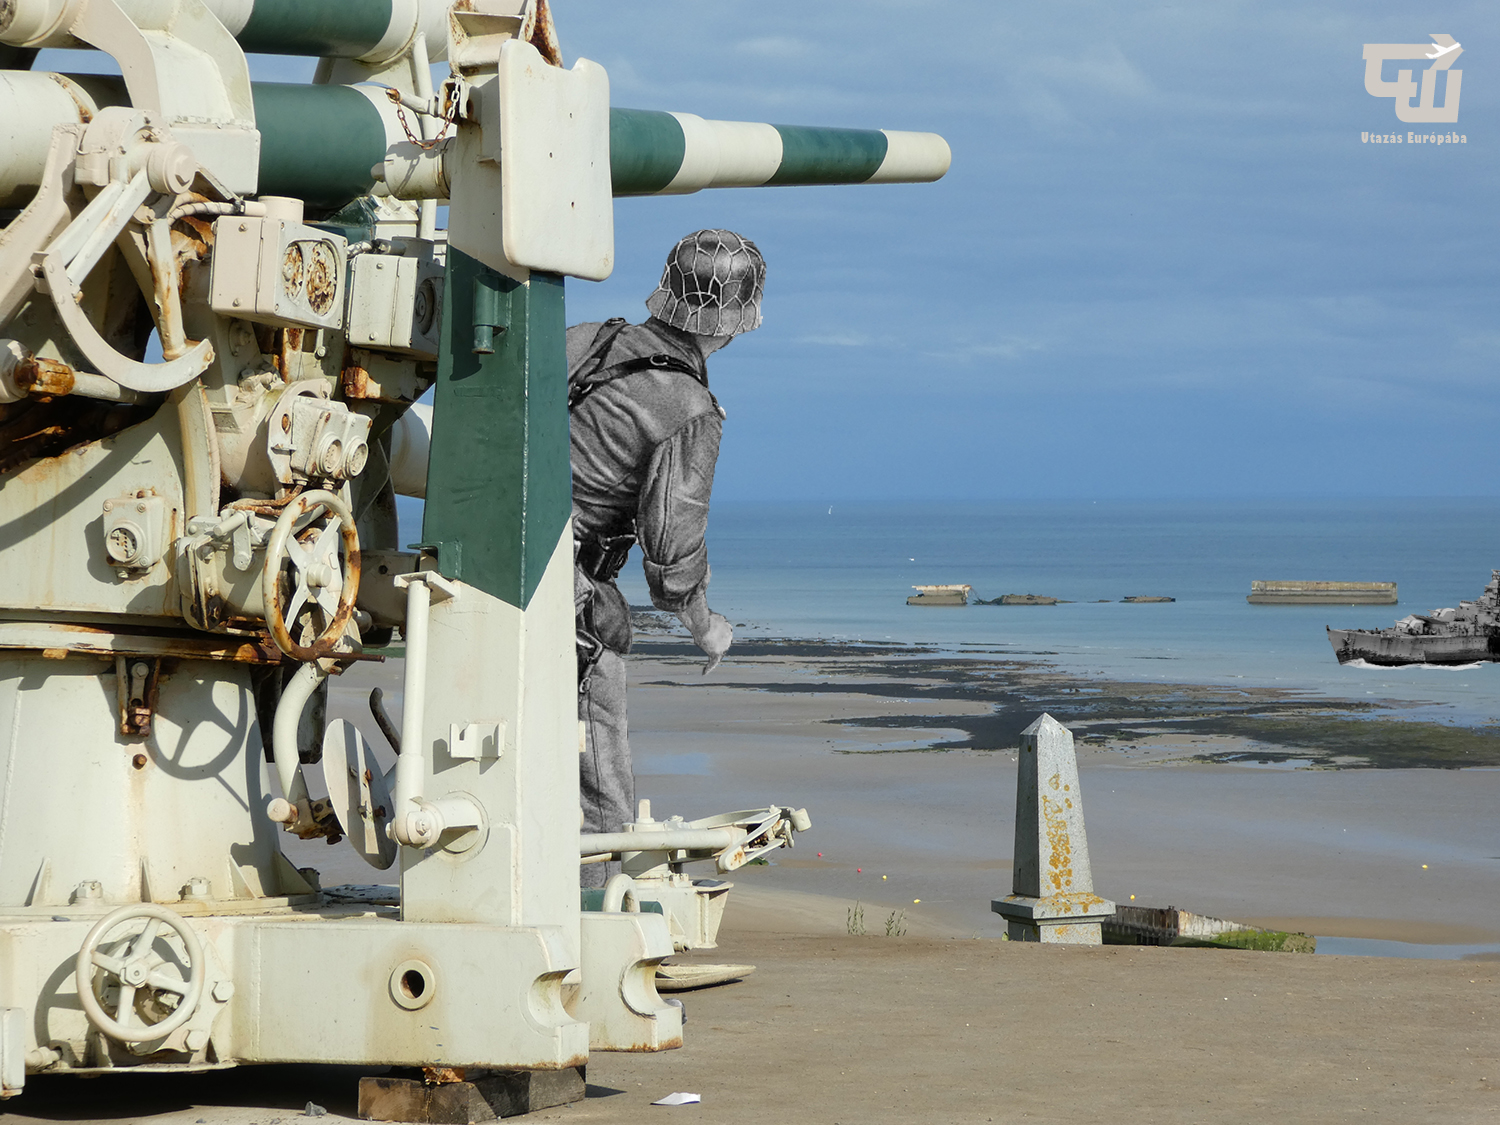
(645, 433)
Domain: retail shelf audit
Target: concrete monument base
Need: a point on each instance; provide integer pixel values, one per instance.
(1065, 919)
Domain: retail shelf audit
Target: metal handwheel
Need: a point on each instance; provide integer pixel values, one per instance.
(141, 974)
(316, 586)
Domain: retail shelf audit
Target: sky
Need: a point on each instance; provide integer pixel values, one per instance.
(1163, 264)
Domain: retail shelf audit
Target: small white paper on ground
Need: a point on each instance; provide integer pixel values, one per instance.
(679, 1099)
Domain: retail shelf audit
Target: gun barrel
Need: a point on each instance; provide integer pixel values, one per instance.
(366, 29)
(655, 153)
(370, 30)
(320, 142)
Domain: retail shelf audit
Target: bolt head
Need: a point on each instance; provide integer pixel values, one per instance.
(171, 167)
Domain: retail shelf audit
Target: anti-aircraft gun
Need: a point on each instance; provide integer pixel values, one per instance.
(219, 303)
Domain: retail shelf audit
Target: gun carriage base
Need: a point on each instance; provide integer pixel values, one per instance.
(219, 304)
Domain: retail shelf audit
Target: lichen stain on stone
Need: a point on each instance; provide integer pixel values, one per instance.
(1059, 843)
(1077, 902)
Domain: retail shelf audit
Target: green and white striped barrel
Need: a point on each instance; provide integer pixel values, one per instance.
(375, 30)
(319, 143)
(655, 153)
(370, 30)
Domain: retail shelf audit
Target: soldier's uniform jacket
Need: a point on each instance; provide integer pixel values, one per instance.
(645, 439)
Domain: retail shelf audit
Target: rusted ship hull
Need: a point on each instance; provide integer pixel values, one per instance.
(1393, 649)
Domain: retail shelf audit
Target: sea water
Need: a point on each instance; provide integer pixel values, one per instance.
(843, 572)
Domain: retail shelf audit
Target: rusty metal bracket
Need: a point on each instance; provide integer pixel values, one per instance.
(137, 680)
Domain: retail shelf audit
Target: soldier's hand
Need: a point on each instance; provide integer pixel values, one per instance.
(715, 641)
(711, 631)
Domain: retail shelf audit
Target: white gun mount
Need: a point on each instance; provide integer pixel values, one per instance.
(219, 303)
(654, 852)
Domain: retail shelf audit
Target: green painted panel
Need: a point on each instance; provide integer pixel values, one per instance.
(499, 482)
(341, 28)
(317, 143)
(646, 148)
(592, 898)
(828, 156)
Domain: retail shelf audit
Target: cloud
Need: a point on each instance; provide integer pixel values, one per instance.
(1009, 349)
(1159, 220)
(837, 340)
(775, 47)
(1090, 71)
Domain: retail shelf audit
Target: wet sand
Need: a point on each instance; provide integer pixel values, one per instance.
(905, 760)
(1216, 823)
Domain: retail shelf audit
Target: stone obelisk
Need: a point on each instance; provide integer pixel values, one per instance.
(1052, 895)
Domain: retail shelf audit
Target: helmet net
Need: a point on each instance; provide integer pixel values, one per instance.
(712, 285)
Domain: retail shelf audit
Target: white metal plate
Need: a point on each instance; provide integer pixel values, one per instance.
(557, 206)
(358, 793)
(476, 742)
(12, 1050)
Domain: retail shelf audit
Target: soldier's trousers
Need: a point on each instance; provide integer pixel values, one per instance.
(606, 779)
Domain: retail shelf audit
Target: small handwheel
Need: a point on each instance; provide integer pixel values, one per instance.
(316, 586)
(142, 974)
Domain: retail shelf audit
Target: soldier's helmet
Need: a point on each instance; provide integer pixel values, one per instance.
(712, 285)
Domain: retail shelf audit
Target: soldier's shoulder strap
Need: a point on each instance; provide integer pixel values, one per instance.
(594, 358)
(590, 377)
(579, 378)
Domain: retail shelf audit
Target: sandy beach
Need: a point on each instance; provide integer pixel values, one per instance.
(1289, 832)
(837, 1029)
(905, 761)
